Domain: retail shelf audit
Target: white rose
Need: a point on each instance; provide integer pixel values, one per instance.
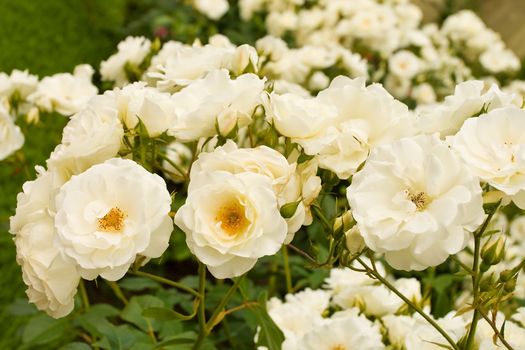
(19, 83)
(231, 220)
(111, 213)
(272, 47)
(366, 117)
(281, 87)
(188, 63)
(514, 334)
(303, 119)
(290, 66)
(462, 25)
(415, 201)
(517, 229)
(467, 101)
(318, 81)
(404, 64)
(415, 333)
(279, 22)
(289, 185)
(245, 57)
(314, 300)
(91, 137)
(317, 57)
(137, 101)
(356, 65)
(493, 145)
(398, 86)
(11, 137)
(51, 279)
(215, 100)
(424, 94)
(213, 9)
(248, 7)
(398, 327)
(132, 50)
(300, 312)
(497, 60)
(344, 331)
(65, 93)
(377, 300)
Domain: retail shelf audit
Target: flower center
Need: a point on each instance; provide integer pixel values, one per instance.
(338, 347)
(420, 199)
(113, 221)
(232, 218)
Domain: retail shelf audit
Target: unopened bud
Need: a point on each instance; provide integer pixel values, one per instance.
(510, 285)
(493, 251)
(344, 221)
(288, 210)
(354, 241)
(506, 275)
(33, 116)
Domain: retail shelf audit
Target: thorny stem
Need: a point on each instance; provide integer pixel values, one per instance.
(287, 273)
(461, 264)
(476, 278)
(495, 329)
(304, 254)
(117, 291)
(206, 327)
(202, 307)
(408, 302)
(167, 282)
(83, 294)
(220, 308)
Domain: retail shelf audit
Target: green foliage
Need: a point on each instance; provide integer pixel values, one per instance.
(177, 20)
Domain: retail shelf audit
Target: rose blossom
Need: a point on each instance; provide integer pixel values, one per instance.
(231, 220)
(415, 201)
(111, 213)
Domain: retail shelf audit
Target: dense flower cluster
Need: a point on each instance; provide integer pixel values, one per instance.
(353, 310)
(416, 62)
(241, 148)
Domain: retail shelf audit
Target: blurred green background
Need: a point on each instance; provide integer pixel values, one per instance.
(53, 36)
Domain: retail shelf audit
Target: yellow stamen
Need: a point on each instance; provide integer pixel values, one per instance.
(420, 199)
(232, 218)
(113, 221)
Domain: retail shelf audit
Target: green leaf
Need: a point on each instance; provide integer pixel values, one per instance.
(43, 329)
(76, 346)
(132, 313)
(164, 314)
(95, 319)
(270, 336)
(160, 314)
(186, 338)
(138, 284)
(304, 158)
(21, 307)
(122, 337)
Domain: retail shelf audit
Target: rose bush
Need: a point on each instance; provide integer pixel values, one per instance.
(228, 196)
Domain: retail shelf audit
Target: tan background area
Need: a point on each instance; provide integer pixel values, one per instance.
(506, 17)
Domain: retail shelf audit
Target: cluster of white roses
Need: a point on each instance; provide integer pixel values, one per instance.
(234, 130)
(21, 94)
(417, 62)
(354, 311)
(93, 213)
